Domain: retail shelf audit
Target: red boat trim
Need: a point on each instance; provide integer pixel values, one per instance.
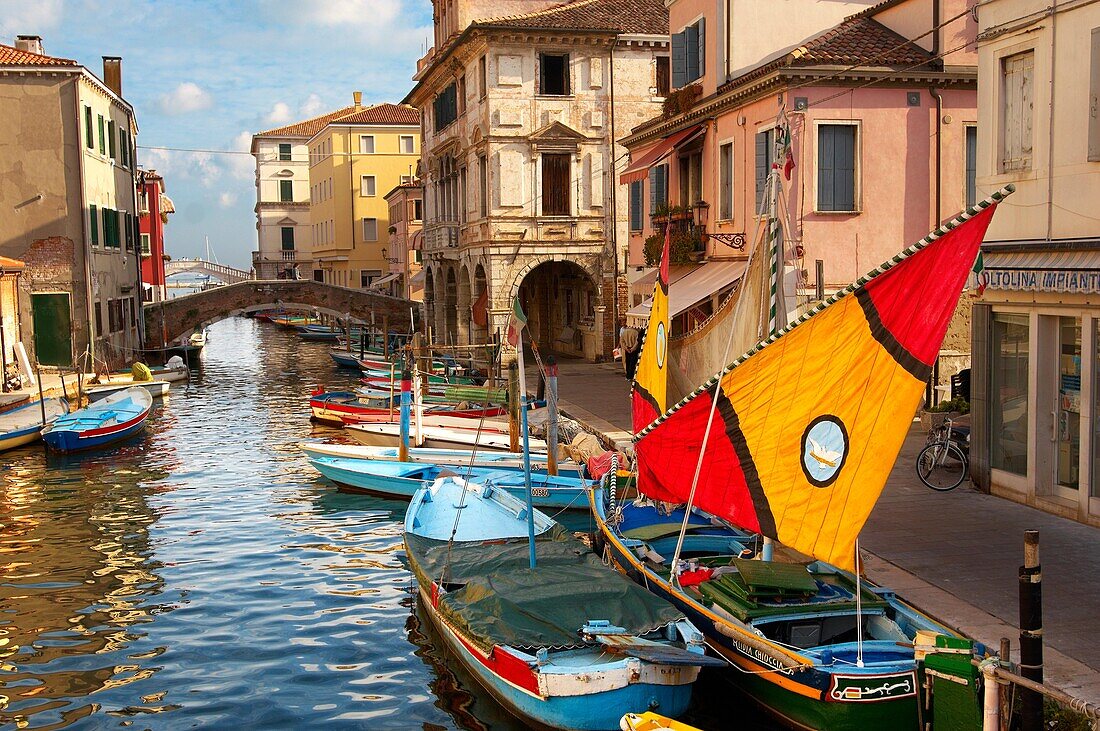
(105, 430)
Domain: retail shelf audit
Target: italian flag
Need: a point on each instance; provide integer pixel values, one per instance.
(980, 279)
(515, 324)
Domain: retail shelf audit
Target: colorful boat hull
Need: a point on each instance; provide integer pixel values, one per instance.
(23, 425)
(115, 418)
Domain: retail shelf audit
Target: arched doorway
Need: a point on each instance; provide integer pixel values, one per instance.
(464, 302)
(561, 301)
(429, 298)
(479, 311)
(450, 309)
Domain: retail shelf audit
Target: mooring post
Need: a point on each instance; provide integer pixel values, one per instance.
(513, 406)
(552, 415)
(1005, 698)
(1031, 633)
(385, 336)
(406, 406)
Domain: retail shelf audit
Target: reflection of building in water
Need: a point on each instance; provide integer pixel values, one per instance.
(75, 573)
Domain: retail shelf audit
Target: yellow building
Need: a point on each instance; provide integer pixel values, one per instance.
(353, 161)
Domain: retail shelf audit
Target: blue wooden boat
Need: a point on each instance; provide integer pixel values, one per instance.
(117, 417)
(401, 479)
(438, 456)
(24, 424)
(570, 644)
(345, 358)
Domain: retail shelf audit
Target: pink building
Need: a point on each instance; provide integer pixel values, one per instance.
(406, 203)
(881, 113)
(153, 209)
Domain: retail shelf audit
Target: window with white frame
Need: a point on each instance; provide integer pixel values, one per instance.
(366, 144)
(406, 144)
(406, 179)
(370, 229)
(725, 181)
(366, 185)
(1017, 85)
(146, 249)
(837, 167)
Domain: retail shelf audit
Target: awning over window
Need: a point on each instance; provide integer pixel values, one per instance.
(385, 280)
(639, 169)
(691, 289)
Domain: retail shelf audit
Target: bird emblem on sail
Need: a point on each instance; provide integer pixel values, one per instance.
(805, 466)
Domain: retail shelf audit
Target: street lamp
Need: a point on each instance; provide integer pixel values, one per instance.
(701, 213)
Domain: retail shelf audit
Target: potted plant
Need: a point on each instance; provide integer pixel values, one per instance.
(660, 215)
(934, 417)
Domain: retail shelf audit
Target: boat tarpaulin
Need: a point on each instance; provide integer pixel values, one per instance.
(694, 286)
(639, 169)
(497, 599)
(808, 424)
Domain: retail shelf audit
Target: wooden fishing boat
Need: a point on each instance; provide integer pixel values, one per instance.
(23, 424)
(119, 416)
(156, 389)
(198, 339)
(343, 407)
(174, 370)
(779, 478)
(389, 435)
(649, 721)
(430, 455)
(568, 644)
(391, 478)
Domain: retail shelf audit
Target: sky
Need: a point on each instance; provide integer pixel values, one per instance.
(205, 75)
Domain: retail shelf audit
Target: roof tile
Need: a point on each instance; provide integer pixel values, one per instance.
(385, 113)
(619, 16)
(11, 56)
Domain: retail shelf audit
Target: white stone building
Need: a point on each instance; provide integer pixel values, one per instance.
(520, 116)
(284, 244)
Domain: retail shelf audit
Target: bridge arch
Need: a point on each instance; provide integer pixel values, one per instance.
(221, 272)
(170, 321)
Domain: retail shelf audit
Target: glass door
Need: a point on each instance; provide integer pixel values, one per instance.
(1094, 492)
(1067, 424)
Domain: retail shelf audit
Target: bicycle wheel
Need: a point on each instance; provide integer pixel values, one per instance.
(941, 466)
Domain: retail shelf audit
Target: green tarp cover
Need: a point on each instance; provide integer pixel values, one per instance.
(503, 602)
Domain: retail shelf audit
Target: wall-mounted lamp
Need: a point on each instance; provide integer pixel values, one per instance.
(701, 214)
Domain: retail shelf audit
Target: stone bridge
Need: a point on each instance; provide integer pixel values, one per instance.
(170, 321)
(227, 274)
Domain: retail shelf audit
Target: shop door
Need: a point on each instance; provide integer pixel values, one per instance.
(53, 334)
(1067, 424)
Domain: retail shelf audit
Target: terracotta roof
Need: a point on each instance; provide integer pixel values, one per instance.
(385, 113)
(860, 39)
(11, 56)
(619, 16)
(306, 128)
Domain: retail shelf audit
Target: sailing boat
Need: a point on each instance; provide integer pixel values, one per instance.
(793, 441)
(556, 637)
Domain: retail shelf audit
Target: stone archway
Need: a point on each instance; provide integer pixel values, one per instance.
(450, 308)
(563, 301)
(465, 325)
(478, 287)
(429, 298)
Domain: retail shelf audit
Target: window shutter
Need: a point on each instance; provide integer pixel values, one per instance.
(111, 139)
(555, 185)
(119, 223)
(679, 60)
(89, 132)
(836, 167)
(725, 211)
(971, 165)
(761, 167)
(102, 141)
(93, 222)
(636, 206)
(701, 48)
(691, 51)
(287, 238)
(136, 222)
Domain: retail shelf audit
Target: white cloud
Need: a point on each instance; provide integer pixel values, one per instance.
(227, 199)
(29, 18)
(312, 106)
(279, 114)
(243, 167)
(348, 12)
(186, 98)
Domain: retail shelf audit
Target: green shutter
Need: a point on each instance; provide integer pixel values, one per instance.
(93, 224)
(111, 139)
(89, 131)
(102, 141)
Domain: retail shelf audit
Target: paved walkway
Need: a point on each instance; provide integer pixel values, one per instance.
(955, 555)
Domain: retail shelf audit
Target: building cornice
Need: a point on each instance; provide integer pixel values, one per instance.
(750, 90)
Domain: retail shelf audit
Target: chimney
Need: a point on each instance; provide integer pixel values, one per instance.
(358, 97)
(32, 44)
(112, 73)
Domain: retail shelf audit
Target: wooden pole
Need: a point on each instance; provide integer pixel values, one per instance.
(513, 406)
(1005, 699)
(552, 416)
(41, 397)
(1031, 633)
(526, 449)
(385, 336)
(406, 406)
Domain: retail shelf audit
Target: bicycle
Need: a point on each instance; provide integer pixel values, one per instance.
(944, 462)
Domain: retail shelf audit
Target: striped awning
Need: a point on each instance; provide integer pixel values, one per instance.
(695, 286)
(1072, 270)
(639, 168)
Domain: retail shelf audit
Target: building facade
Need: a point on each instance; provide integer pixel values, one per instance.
(520, 117)
(404, 279)
(872, 134)
(71, 196)
(284, 245)
(353, 160)
(154, 207)
(1036, 341)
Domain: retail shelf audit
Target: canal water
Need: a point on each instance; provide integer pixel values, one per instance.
(203, 575)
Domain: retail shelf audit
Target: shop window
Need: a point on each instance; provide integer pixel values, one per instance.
(1009, 393)
(1095, 491)
(554, 74)
(1067, 428)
